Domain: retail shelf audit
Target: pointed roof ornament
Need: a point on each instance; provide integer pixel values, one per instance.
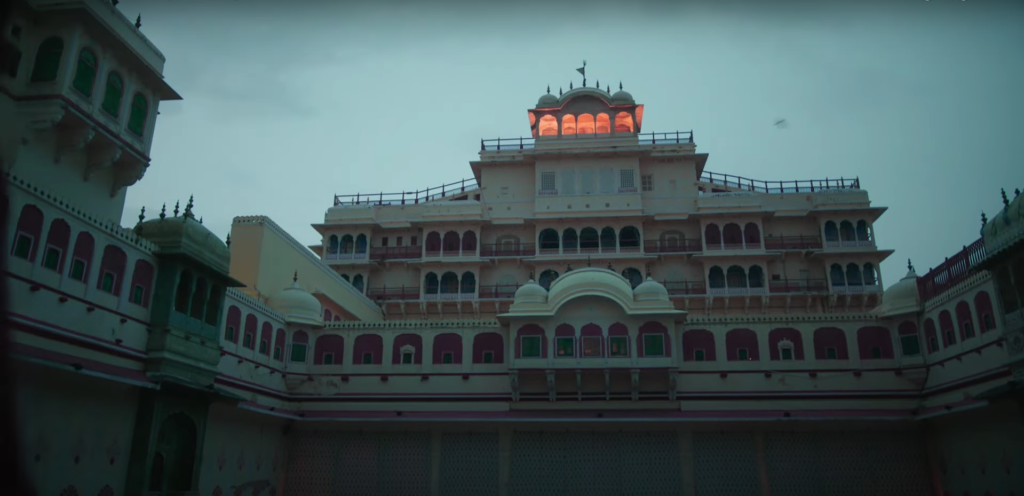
(142, 215)
(570, 85)
(200, 219)
(984, 219)
(228, 241)
(584, 82)
(610, 266)
(163, 211)
(114, 2)
(176, 204)
(531, 276)
(620, 85)
(588, 260)
(559, 91)
(1016, 192)
(568, 267)
(295, 278)
(608, 89)
(549, 89)
(910, 266)
(188, 208)
(648, 270)
(1002, 191)
(597, 84)
(138, 21)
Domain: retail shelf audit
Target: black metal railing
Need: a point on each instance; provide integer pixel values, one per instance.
(410, 197)
(776, 187)
(673, 138)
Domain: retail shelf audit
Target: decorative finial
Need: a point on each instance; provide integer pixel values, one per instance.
(200, 219)
(588, 260)
(620, 85)
(549, 89)
(531, 275)
(228, 242)
(584, 82)
(608, 89)
(163, 211)
(610, 266)
(570, 85)
(1016, 192)
(176, 204)
(138, 21)
(910, 266)
(984, 219)
(597, 84)
(114, 2)
(568, 267)
(188, 208)
(142, 215)
(559, 91)
(1005, 201)
(647, 269)
(295, 278)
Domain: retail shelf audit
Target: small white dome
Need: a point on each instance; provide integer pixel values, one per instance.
(531, 292)
(622, 97)
(297, 305)
(902, 297)
(650, 290)
(547, 101)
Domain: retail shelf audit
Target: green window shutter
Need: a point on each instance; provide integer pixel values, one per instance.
(112, 95)
(78, 270)
(137, 118)
(47, 62)
(85, 72)
(298, 352)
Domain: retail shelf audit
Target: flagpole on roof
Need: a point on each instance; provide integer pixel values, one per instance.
(583, 71)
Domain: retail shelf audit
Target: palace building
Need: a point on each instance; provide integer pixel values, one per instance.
(592, 312)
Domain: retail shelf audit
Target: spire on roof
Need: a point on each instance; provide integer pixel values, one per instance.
(163, 211)
(570, 85)
(559, 91)
(142, 215)
(568, 267)
(549, 89)
(620, 85)
(176, 204)
(910, 266)
(295, 278)
(984, 219)
(1002, 191)
(138, 21)
(608, 89)
(597, 84)
(188, 208)
(228, 242)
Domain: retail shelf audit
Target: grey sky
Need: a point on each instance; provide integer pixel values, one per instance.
(287, 103)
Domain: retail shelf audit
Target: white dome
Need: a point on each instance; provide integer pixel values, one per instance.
(650, 290)
(622, 97)
(297, 305)
(547, 101)
(531, 292)
(902, 297)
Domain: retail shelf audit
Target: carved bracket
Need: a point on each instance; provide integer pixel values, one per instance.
(101, 158)
(41, 116)
(72, 139)
(127, 173)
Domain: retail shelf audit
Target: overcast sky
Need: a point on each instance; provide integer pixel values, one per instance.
(288, 103)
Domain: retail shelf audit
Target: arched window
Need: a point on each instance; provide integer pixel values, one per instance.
(447, 349)
(853, 275)
(863, 234)
(431, 284)
(329, 349)
(982, 305)
(874, 343)
(634, 276)
(357, 282)
(831, 232)
(756, 277)
(142, 281)
(332, 246)
(672, 239)
(81, 258)
(266, 334)
(468, 243)
(347, 244)
(548, 239)
(346, 278)
(173, 469)
(623, 122)
(198, 299)
(232, 324)
(433, 242)
(488, 347)
(752, 235)
(57, 240)
(785, 343)
(830, 344)
(589, 239)
(716, 277)
(713, 236)
(85, 72)
(585, 124)
(570, 241)
(468, 283)
(964, 320)
(279, 344)
(450, 243)
(328, 314)
(449, 283)
(184, 292)
(604, 124)
(741, 345)
(546, 278)
(629, 237)
(870, 278)
(846, 231)
(213, 305)
(732, 236)
(137, 117)
(568, 125)
(30, 229)
(48, 60)
(909, 345)
(361, 243)
(607, 239)
(548, 126)
(698, 345)
(736, 277)
(113, 94)
(838, 279)
(931, 336)
(300, 340)
(112, 269)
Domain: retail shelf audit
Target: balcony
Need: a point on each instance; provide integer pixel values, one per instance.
(856, 288)
(798, 286)
(673, 246)
(792, 243)
(394, 293)
(674, 138)
(849, 243)
(346, 256)
(589, 250)
(952, 271)
(381, 253)
(444, 296)
(498, 291)
(753, 244)
(451, 191)
(494, 250)
(683, 288)
(737, 291)
(778, 187)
